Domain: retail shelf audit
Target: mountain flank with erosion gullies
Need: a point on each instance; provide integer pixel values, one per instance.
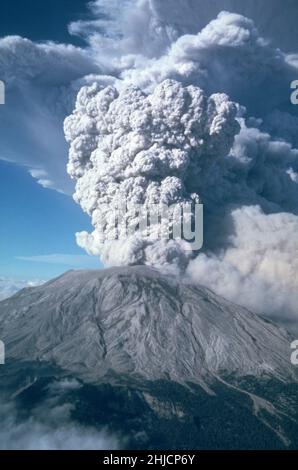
(160, 363)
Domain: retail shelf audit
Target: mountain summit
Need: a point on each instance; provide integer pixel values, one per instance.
(157, 353)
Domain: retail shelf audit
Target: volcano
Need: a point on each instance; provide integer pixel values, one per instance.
(161, 363)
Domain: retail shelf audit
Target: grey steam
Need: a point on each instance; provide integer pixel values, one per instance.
(144, 149)
(162, 134)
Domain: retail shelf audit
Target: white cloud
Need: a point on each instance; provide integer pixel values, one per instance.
(50, 425)
(228, 55)
(74, 261)
(148, 27)
(258, 266)
(41, 80)
(9, 286)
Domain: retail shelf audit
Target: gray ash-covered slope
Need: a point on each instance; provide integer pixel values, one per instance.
(161, 362)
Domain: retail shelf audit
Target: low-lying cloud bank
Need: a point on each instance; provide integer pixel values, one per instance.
(9, 286)
(50, 425)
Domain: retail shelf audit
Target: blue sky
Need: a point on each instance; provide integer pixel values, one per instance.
(41, 20)
(129, 41)
(38, 222)
(38, 225)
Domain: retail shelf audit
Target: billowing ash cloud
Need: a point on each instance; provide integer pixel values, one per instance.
(227, 55)
(251, 225)
(247, 180)
(249, 188)
(41, 82)
(127, 146)
(145, 41)
(256, 265)
(149, 27)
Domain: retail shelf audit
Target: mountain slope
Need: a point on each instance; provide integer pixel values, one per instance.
(175, 351)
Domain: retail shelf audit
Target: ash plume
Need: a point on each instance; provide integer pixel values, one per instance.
(157, 137)
(145, 149)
